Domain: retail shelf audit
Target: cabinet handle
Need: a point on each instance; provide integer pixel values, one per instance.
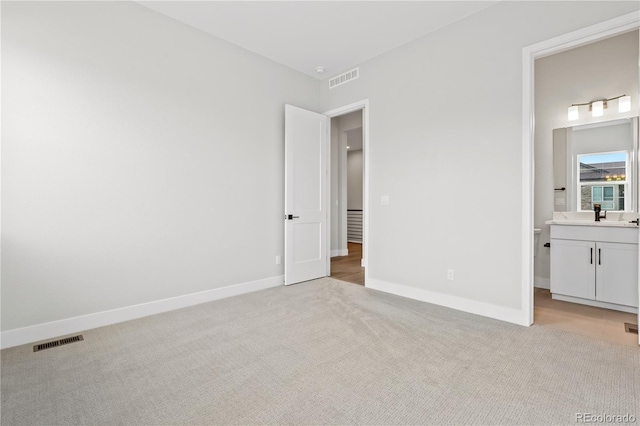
(591, 255)
(599, 256)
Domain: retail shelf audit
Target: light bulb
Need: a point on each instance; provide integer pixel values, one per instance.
(597, 109)
(624, 104)
(573, 113)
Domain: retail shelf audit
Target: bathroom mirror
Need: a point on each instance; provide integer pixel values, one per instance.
(596, 163)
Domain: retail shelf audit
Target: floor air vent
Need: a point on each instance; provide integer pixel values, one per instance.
(344, 78)
(56, 343)
(631, 328)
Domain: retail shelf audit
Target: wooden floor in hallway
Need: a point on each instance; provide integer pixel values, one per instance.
(348, 268)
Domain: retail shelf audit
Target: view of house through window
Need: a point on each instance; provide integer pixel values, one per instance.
(602, 179)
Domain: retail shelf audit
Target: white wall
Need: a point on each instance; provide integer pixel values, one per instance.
(142, 159)
(604, 69)
(350, 121)
(446, 146)
(354, 139)
(354, 179)
(617, 135)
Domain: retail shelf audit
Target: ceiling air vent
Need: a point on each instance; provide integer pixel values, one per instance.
(344, 78)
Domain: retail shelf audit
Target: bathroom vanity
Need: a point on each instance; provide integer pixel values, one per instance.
(595, 263)
(593, 241)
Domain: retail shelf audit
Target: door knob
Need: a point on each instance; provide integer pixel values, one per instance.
(290, 217)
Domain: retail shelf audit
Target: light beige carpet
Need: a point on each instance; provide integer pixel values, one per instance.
(322, 352)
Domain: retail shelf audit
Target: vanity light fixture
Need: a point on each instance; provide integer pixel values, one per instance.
(597, 107)
(573, 112)
(624, 104)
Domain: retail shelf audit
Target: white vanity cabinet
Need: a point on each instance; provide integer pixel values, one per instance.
(617, 273)
(572, 268)
(595, 265)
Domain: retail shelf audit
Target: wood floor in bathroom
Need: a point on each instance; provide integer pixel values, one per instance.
(603, 324)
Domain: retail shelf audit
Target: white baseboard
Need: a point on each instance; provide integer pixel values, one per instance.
(502, 313)
(542, 282)
(340, 252)
(34, 333)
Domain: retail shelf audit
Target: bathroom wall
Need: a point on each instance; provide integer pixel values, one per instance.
(604, 69)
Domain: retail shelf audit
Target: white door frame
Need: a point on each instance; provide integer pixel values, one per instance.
(612, 27)
(356, 106)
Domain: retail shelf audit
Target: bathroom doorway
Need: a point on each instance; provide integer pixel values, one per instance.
(555, 90)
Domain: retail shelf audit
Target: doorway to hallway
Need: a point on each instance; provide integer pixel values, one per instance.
(347, 128)
(347, 196)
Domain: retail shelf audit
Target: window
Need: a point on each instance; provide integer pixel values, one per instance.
(602, 179)
(604, 195)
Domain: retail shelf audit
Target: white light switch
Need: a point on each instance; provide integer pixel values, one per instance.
(559, 201)
(384, 200)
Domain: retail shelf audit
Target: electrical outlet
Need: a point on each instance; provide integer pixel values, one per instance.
(278, 260)
(384, 200)
(450, 274)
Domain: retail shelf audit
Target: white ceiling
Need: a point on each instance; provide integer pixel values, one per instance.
(304, 35)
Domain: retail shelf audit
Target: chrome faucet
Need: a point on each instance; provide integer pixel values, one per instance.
(598, 208)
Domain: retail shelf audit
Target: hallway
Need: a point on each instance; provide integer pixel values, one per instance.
(348, 268)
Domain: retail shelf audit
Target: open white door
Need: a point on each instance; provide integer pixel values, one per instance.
(305, 195)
